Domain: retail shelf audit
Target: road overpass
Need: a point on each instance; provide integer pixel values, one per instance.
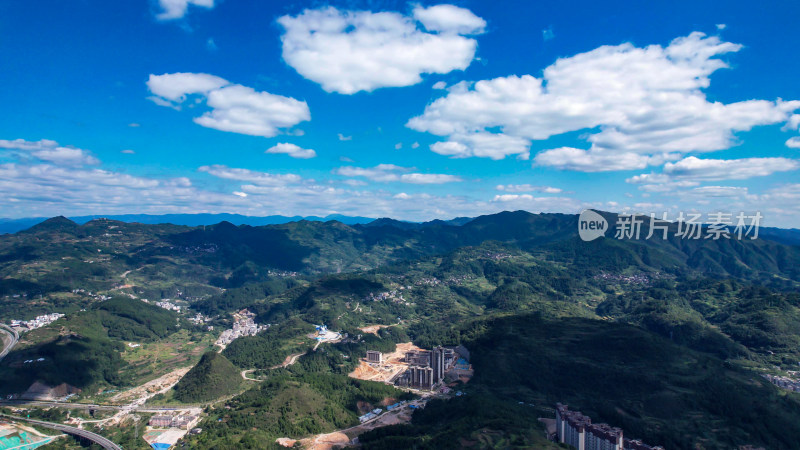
(77, 432)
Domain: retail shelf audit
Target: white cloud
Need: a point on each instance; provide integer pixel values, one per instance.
(127, 151)
(176, 86)
(642, 106)
(568, 158)
(393, 173)
(176, 9)
(449, 19)
(234, 108)
(134, 125)
(345, 138)
(428, 178)
(488, 145)
(415, 145)
(656, 182)
(694, 168)
(721, 26)
(689, 172)
(440, 85)
(398, 146)
(260, 178)
(793, 142)
(352, 51)
(720, 191)
(528, 188)
(48, 150)
(292, 150)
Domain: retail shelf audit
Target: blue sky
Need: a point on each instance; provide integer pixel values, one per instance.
(409, 110)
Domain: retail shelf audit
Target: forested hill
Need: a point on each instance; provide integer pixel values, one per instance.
(59, 255)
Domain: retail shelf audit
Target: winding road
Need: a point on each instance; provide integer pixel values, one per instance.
(96, 438)
(14, 339)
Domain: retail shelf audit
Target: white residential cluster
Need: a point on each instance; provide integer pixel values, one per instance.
(281, 273)
(787, 383)
(244, 326)
(38, 322)
(91, 294)
(392, 295)
(198, 319)
(166, 304)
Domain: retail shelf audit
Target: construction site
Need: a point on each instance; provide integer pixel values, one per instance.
(409, 366)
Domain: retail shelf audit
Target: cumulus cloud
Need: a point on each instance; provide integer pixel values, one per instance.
(292, 150)
(793, 142)
(393, 173)
(449, 19)
(176, 9)
(344, 138)
(528, 188)
(486, 145)
(51, 151)
(439, 85)
(639, 105)
(352, 51)
(127, 151)
(260, 178)
(234, 108)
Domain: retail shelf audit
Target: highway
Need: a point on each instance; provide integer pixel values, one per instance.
(14, 338)
(19, 403)
(56, 404)
(96, 438)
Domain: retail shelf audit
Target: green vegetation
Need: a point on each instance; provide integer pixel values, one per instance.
(287, 405)
(478, 419)
(213, 377)
(83, 349)
(271, 347)
(654, 389)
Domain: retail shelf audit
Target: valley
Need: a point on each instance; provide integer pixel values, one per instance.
(672, 341)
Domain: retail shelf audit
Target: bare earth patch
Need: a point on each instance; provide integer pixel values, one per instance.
(153, 387)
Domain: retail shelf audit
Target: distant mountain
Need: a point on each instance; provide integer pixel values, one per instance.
(15, 225)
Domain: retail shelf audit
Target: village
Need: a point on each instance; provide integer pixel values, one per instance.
(243, 325)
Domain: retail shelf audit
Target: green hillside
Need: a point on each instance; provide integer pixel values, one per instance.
(290, 405)
(661, 392)
(83, 348)
(213, 377)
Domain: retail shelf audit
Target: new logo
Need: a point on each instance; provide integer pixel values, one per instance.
(591, 225)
